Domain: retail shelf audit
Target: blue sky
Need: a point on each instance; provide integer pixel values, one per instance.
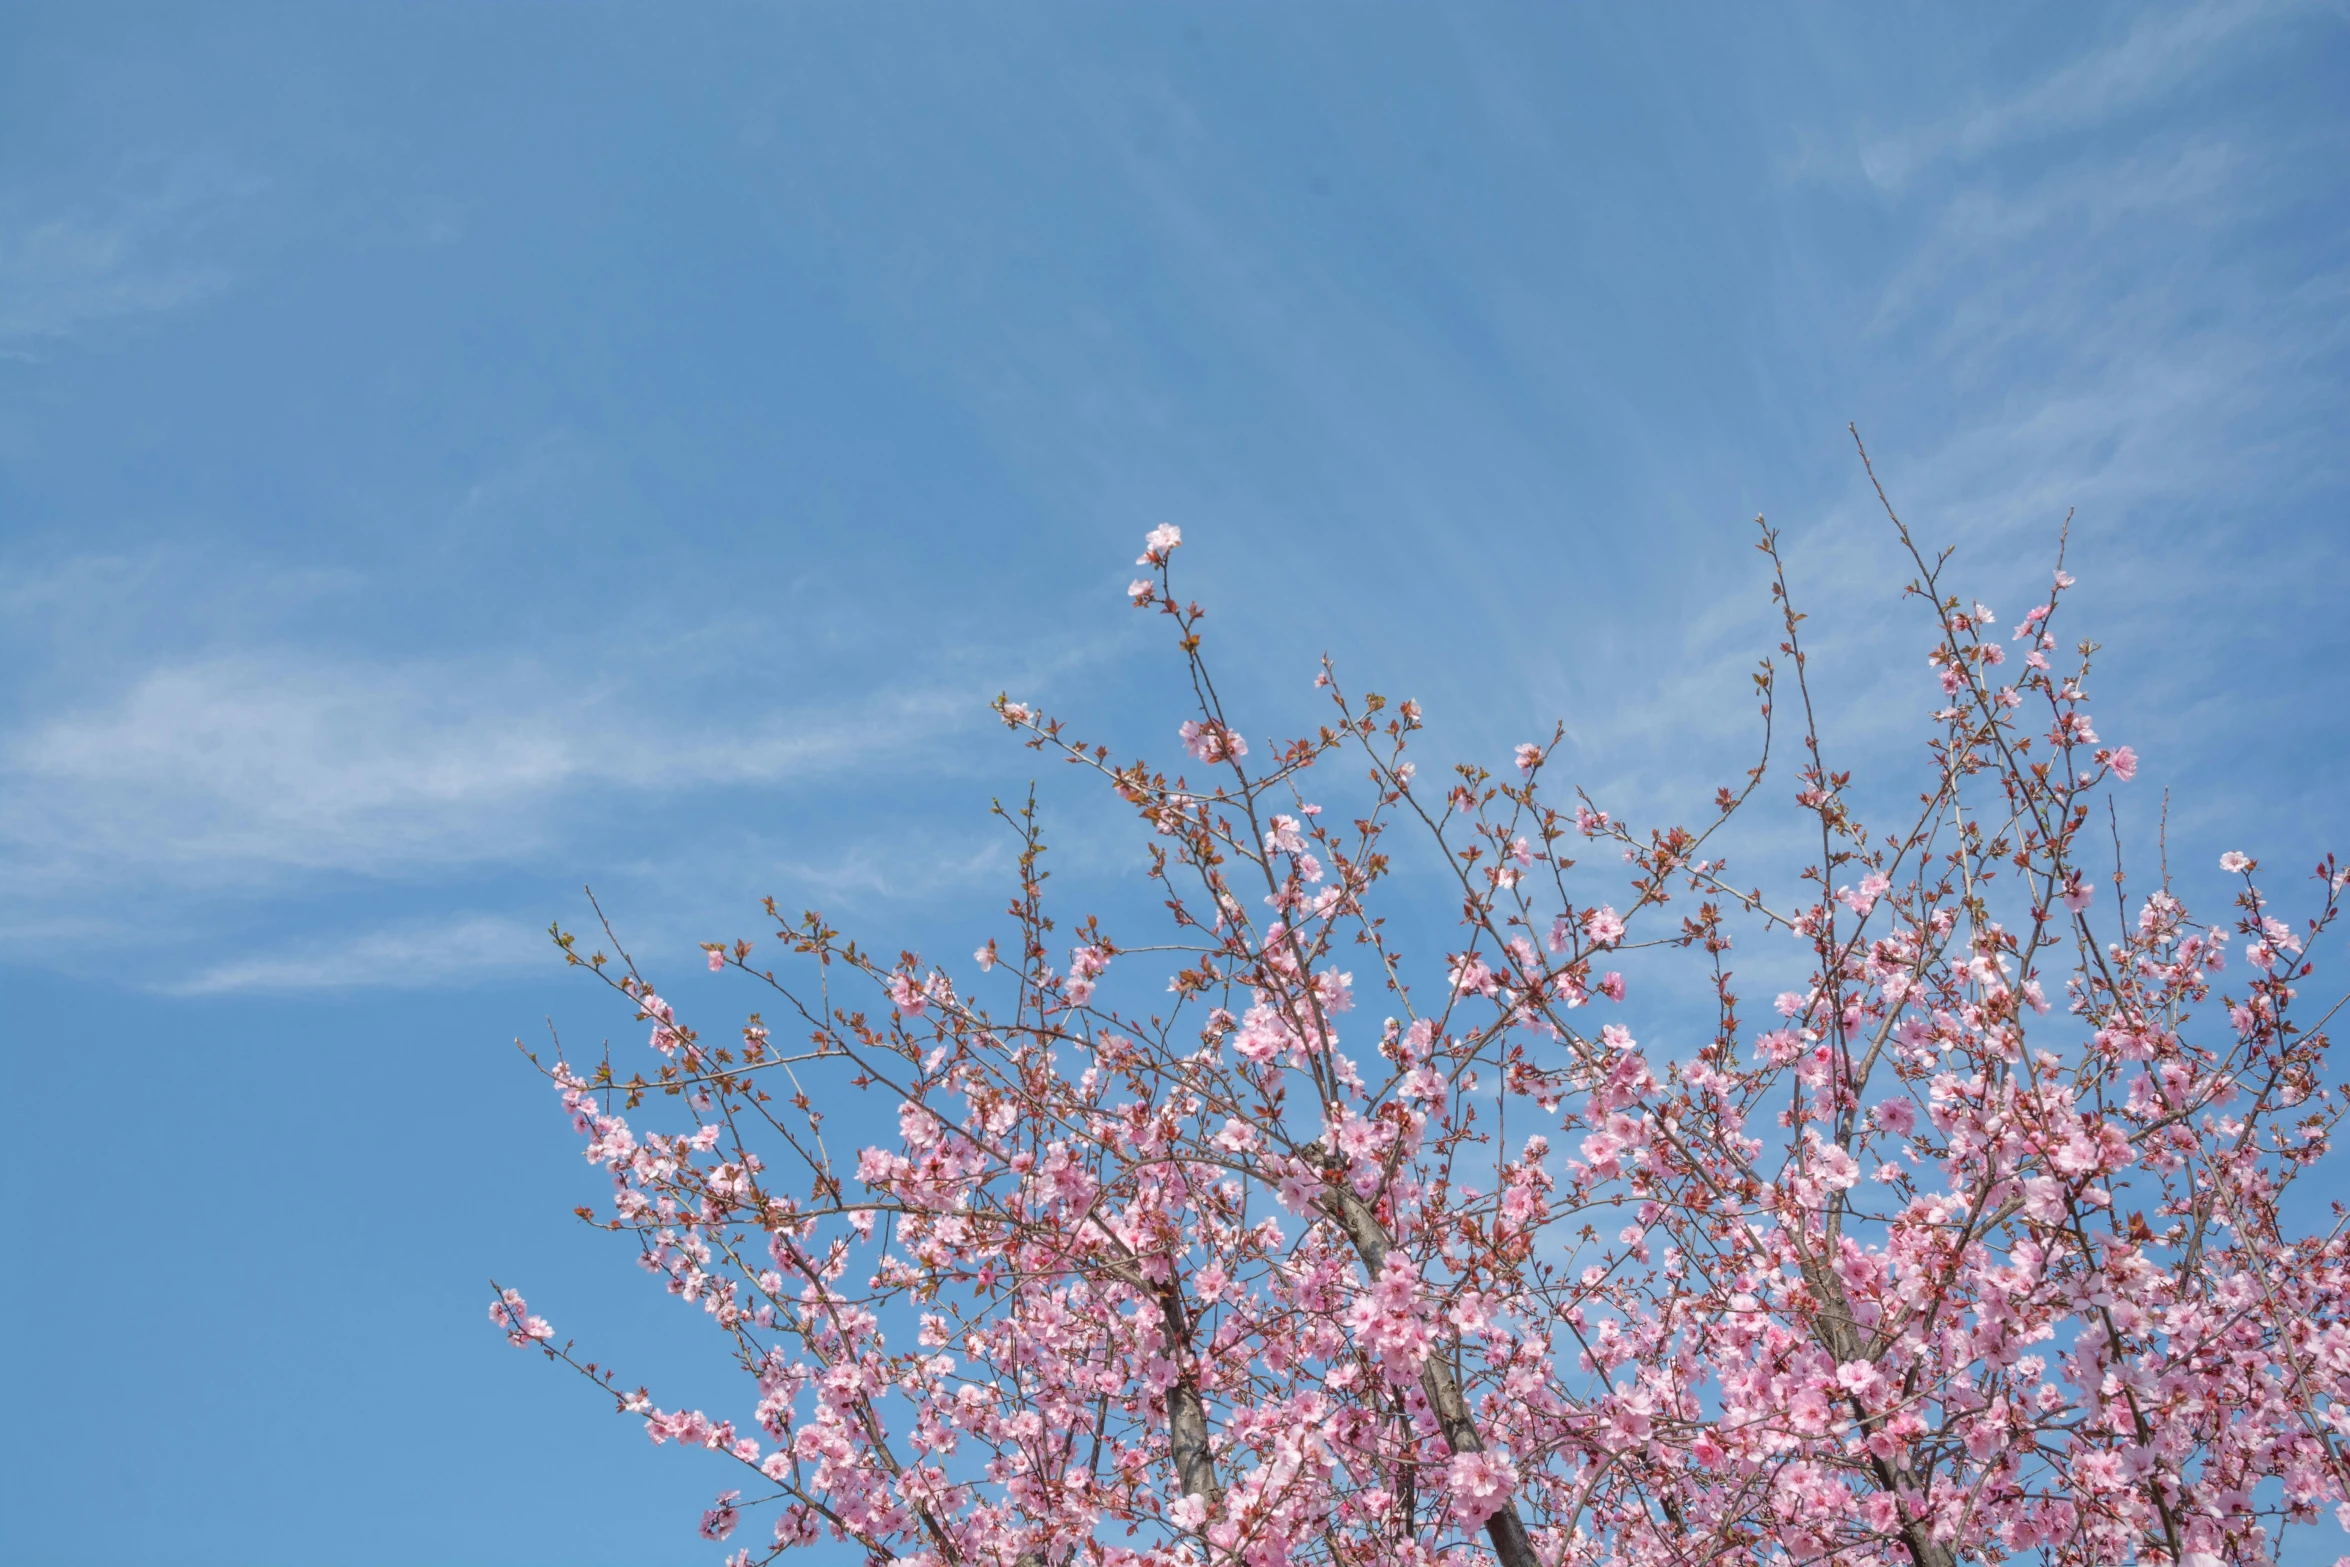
(450, 454)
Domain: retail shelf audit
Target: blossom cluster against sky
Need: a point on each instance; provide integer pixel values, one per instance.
(451, 454)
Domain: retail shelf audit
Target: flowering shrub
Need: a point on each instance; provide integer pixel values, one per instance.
(1975, 1246)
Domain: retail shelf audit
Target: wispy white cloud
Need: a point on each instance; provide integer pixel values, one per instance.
(198, 743)
(903, 866)
(2148, 330)
(238, 767)
(132, 248)
(2163, 49)
(455, 951)
(1997, 262)
(2076, 308)
(2134, 330)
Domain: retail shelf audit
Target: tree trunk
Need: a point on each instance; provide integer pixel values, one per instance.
(1505, 1528)
(1187, 1412)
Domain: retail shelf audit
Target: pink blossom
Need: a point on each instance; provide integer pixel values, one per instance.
(1470, 976)
(917, 1125)
(511, 1313)
(1212, 742)
(1346, 1252)
(1263, 1035)
(2076, 1155)
(907, 996)
(1160, 544)
(2124, 763)
(2234, 863)
(2072, 728)
(1864, 898)
(1479, 1484)
(665, 1037)
(1836, 1167)
(1529, 758)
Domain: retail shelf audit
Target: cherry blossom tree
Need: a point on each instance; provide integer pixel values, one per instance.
(1976, 1243)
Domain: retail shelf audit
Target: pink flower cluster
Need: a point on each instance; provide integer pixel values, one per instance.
(1976, 1243)
(510, 1313)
